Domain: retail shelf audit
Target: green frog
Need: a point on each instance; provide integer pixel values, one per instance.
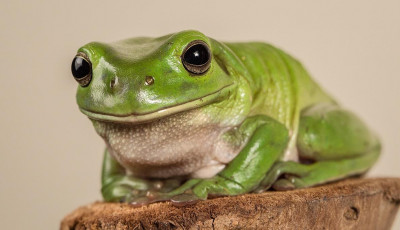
(185, 117)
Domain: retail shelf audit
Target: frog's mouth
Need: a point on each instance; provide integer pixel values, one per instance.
(163, 112)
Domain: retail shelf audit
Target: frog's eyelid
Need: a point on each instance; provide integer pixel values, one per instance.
(84, 56)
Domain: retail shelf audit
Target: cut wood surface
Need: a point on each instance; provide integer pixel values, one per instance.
(350, 204)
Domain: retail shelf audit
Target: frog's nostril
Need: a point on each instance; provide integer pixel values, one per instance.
(149, 80)
(113, 82)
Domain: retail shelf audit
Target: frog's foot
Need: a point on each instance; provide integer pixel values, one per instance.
(124, 188)
(192, 191)
(217, 186)
(289, 183)
(290, 168)
(183, 199)
(303, 176)
(127, 188)
(179, 196)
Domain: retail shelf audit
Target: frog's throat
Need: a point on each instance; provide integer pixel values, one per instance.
(136, 118)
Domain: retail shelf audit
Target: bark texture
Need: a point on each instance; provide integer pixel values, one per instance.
(349, 204)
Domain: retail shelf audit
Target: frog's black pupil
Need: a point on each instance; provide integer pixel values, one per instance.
(80, 67)
(197, 55)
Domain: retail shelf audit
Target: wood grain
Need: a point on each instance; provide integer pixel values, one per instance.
(349, 204)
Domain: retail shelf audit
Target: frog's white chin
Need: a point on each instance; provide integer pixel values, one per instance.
(147, 117)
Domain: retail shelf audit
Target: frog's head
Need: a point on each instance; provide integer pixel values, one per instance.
(142, 79)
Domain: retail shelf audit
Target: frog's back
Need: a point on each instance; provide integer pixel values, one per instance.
(281, 86)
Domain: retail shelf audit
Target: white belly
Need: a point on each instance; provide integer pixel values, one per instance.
(183, 144)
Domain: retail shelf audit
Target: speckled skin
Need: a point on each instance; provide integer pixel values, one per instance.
(250, 121)
(146, 150)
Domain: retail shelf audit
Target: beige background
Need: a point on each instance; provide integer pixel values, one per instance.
(51, 156)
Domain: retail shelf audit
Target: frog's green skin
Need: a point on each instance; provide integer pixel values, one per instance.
(253, 116)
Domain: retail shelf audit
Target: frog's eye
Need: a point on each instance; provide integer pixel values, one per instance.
(82, 69)
(196, 57)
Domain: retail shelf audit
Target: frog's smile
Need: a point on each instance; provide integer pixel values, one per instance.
(163, 112)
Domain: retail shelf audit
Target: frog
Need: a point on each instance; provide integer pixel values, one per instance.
(185, 117)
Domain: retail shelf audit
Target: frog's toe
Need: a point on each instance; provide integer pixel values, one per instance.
(141, 201)
(290, 182)
(168, 185)
(201, 190)
(283, 185)
(176, 200)
(150, 197)
(264, 186)
(121, 193)
(184, 199)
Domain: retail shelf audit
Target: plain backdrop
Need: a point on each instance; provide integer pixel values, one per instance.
(50, 154)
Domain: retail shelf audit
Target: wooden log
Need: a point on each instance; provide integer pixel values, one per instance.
(348, 204)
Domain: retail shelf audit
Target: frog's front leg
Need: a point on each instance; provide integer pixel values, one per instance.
(267, 140)
(117, 186)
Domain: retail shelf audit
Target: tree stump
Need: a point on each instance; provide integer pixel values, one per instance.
(348, 204)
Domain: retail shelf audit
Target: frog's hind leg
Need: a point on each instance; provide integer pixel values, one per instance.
(334, 142)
